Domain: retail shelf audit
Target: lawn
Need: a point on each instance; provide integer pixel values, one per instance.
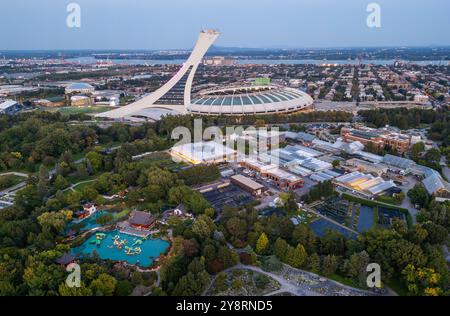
(397, 287)
(7, 181)
(80, 187)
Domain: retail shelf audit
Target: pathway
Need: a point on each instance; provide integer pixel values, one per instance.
(313, 284)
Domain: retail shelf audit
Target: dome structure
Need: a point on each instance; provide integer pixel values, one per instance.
(249, 99)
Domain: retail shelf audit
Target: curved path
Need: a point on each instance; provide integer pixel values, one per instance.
(321, 287)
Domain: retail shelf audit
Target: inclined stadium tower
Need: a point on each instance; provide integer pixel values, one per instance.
(174, 97)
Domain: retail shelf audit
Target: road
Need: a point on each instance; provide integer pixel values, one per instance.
(406, 203)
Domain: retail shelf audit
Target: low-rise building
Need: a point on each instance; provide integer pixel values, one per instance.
(282, 179)
(9, 107)
(80, 100)
(203, 152)
(247, 184)
(379, 138)
(365, 184)
(356, 164)
(79, 87)
(141, 220)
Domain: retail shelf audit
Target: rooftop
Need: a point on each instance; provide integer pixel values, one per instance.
(247, 182)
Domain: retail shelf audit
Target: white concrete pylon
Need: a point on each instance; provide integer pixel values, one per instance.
(204, 42)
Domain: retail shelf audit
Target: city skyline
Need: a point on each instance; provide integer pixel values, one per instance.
(251, 24)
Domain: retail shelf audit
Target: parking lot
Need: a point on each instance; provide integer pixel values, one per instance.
(230, 195)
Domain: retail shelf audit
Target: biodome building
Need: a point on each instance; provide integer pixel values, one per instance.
(175, 97)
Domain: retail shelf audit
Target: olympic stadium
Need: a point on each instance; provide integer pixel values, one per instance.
(175, 97)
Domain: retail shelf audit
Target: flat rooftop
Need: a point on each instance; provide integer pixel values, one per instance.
(247, 182)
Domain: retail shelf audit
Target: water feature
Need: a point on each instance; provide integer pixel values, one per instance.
(89, 223)
(122, 247)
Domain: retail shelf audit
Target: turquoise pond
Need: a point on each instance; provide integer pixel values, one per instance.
(150, 248)
(90, 222)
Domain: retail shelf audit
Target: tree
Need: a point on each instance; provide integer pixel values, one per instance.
(237, 228)
(104, 219)
(28, 198)
(419, 195)
(60, 183)
(296, 257)
(416, 150)
(103, 285)
(330, 264)
(95, 160)
(303, 234)
(280, 248)
(124, 288)
(433, 156)
(262, 243)
(203, 226)
(422, 281)
(336, 163)
(356, 267)
(313, 263)
(65, 290)
(55, 221)
(288, 201)
(271, 263)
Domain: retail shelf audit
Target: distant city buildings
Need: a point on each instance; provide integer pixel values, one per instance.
(219, 61)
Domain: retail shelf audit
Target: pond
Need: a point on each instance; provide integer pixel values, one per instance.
(122, 247)
(320, 226)
(89, 222)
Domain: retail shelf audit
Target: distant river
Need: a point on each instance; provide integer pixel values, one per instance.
(92, 60)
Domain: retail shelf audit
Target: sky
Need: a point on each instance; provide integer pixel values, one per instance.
(174, 24)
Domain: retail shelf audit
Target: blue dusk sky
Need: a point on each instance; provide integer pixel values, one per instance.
(174, 24)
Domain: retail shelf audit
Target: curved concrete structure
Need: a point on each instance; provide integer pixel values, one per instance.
(176, 93)
(174, 97)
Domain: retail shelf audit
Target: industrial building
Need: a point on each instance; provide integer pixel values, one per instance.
(356, 164)
(436, 186)
(203, 152)
(282, 179)
(247, 184)
(9, 107)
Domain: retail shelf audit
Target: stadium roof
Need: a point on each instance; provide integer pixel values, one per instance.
(250, 99)
(247, 96)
